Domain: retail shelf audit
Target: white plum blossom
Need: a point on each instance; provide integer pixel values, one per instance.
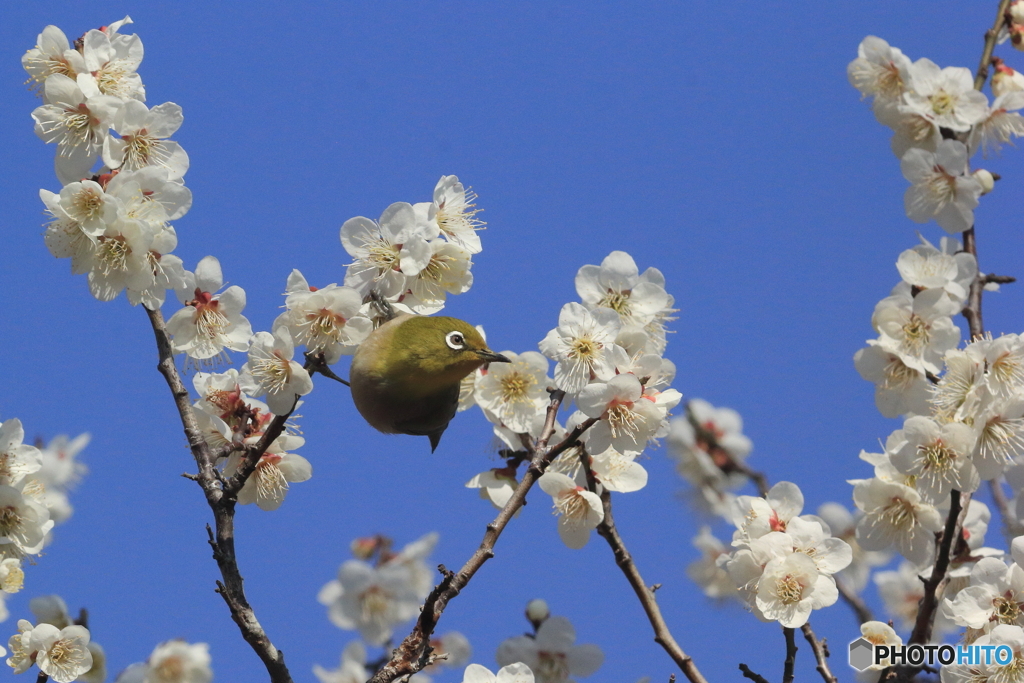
(24, 524)
(87, 203)
(1000, 126)
(52, 54)
(514, 392)
(12, 576)
(791, 587)
(918, 329)
(446, 272)
(111, 61)
(268, 485)
(579, 511)
(177, 661)
(580, 346)
(995, 596)
(352, 668)
(552, 654)
(209, 323)
(941, 189)
(618, 472)
(878, 633)
(843, 525)
(945, 95)
(938, 456)
(17, 460)
(639, 299)
(628, 416)
(880, 70)
(707, 572)
(270, 370)
(371, 600)
(453, 212)
(78, 124)
(325, 320)
(512, 673)
(496, 485)
(141, 139)
(899, 388)
(62, 654)
(756, 516)
(896, 517)
(387, 251)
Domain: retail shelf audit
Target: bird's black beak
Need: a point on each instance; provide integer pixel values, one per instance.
(489, 356)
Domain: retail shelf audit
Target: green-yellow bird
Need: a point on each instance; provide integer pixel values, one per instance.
(405, 377)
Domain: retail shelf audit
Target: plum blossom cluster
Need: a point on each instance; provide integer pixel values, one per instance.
(549, 654)
(61, 647)
(34, 483)
(120, 171)
(378, 590)
(228, 416)
(939, 120)
(415, 255)
(962, 407)
(173, 661)
(783, 563)
(607, 354)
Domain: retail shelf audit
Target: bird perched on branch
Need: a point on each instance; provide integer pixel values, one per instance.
(406, 376)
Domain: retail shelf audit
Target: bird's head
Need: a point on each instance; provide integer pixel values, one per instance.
(439, 350)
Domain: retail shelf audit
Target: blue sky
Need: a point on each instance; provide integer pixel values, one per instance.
(719, 143)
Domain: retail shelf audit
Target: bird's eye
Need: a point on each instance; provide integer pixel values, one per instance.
(455, 340)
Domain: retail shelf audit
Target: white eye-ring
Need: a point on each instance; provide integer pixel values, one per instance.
(455, 341)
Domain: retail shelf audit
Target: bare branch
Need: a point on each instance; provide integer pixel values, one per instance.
(791, 648)
(990, 43)
(820, 654)
(747, 673)
(222, 503)
(856, 603)
(414, 652)
(662, 634)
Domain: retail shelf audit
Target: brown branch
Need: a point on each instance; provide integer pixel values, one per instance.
(820, 649)
(856, 603)
(999, 279)
(747, 673)
(981, 75)
(413, 653)
(662, 634)
(222, 503)
(790, 663)
(42, 678)
(922, 632)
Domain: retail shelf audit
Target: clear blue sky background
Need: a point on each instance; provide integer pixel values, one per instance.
(719, 142)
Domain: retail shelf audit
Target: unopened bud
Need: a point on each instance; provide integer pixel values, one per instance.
(1005, 79)
(1017, 36)
(537, 612)
(1016, 12)
(986, 179)
(363, 548)
(1017, 550)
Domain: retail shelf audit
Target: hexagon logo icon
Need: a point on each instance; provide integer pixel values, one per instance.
(861, 654)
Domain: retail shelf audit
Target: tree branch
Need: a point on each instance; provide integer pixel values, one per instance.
(662, 634)
(790, 663)
(747, 673)
(981, 75)
(820, 654)
(414, 652)
(222, 503)
(856, 603)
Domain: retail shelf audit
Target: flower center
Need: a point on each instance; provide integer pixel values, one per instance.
(552, 667)
(937, 456)
(515, 386)
(899, 514)
(210, 322)
(618, 302)
(1007, 610)
(942, 103)
(171, 669)
(898, 376)
(113, 254)
(622, 419)
(789, 590)
(915, 334)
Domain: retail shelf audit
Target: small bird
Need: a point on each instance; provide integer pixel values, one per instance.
(406, 376)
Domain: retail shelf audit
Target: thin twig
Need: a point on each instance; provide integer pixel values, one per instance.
(820, 654)
(222, 503)
(747, 673)
(856, 603)
(922, 632)
(991, 36)
(790, 664)
(662, 634)
(42, 678)
(413, 654)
